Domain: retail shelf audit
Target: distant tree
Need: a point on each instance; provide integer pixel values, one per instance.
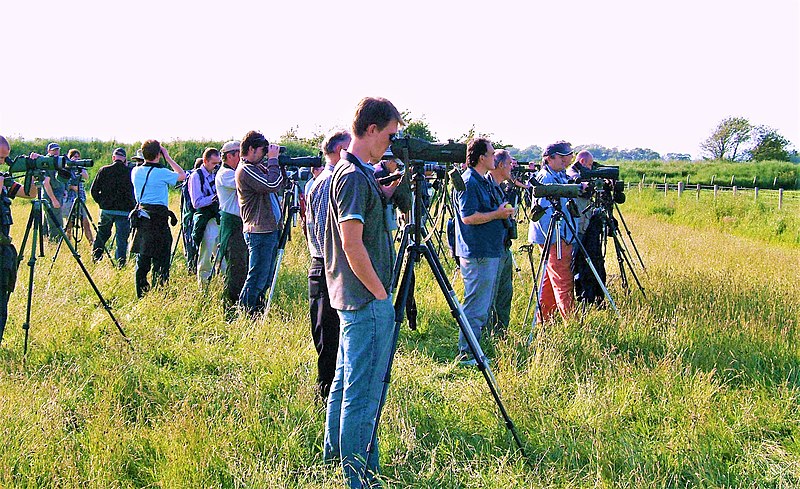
(599, 152)
(531, 153)
(727, 139)
(678, 157)
(300, 146)
(417, 128)
(769, 145)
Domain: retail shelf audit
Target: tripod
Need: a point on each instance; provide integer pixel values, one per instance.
(75, 225)
(33, 229)
(554, 233)
(413, 250)
(290, 210)
(607, 204)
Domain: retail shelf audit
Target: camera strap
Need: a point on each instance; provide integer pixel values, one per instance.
(373, 183)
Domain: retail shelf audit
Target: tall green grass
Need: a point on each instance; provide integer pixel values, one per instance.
(696, 386)
(740, 215)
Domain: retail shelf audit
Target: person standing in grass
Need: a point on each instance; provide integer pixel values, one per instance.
(258, 184)
(232, 247)
(480, 235)
(205, 225)
(112, 189)
(557, 283)
(324, 319)
(152, 238)
(10, 189)
(358, 256)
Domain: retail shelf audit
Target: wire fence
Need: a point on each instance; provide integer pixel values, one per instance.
(779, 198)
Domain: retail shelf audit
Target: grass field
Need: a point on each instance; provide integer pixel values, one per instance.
(696, 386)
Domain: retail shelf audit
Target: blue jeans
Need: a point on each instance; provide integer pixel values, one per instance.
(123, 225)
(480, 276)
(262, 248)
(365, 343)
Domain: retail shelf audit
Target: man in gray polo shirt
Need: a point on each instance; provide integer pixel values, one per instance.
(358, 257)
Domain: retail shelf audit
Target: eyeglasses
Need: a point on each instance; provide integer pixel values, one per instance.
(392, 137)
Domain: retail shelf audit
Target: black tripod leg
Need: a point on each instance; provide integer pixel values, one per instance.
(35, 228)
(591, 266)
(398, 261)
(630, 237)
(458, 313)
(89, 278)
(529, 250)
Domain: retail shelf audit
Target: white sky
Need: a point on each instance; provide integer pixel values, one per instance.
(617, 72)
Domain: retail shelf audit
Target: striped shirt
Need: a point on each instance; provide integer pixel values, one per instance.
(257, 186)
(317, 199)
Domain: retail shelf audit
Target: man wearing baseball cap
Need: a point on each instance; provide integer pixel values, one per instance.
(113, 191)
(557, 283)
(58, 184)
(232, 247)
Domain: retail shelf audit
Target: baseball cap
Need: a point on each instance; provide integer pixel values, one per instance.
(120, 152)
(52, 146)
(562, 148)
(231, 146)
(138, 156)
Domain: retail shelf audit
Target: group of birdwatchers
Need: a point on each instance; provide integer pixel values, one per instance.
(232, 209)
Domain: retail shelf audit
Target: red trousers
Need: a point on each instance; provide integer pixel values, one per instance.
(557, 285)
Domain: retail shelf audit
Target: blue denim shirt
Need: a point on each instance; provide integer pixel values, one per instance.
(478, 240)
(548, 176)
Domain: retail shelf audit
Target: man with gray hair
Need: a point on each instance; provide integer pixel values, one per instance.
(590, 233)
(324, 319)
(505, 190)
(232, 247)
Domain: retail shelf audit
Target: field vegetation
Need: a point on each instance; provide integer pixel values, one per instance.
(698, 385)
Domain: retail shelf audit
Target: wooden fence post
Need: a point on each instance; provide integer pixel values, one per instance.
(780, 198)
(734, 190)
(680, 189)
(716, 188)
(755, 194)
(698, 191)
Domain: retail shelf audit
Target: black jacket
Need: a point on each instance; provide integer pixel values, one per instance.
(113, 189)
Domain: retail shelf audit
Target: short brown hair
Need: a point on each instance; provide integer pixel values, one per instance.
(374, 110)
(151, 150)
(209, 152)
(475, 149)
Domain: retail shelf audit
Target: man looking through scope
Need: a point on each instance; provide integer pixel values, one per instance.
(590, 232)
(258, 185)
(10, 189)
(359, 257)
(76, 195)
(480, 237)
(59, 193)
(557, 283)
(152, 239)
